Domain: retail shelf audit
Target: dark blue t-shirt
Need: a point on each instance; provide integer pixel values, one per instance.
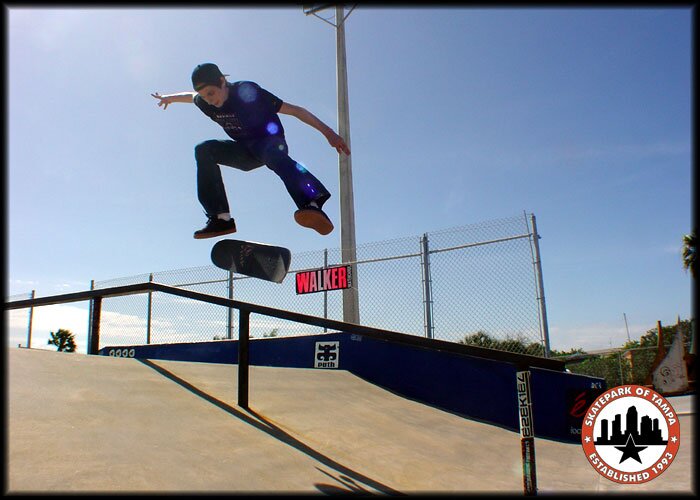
(250, 112)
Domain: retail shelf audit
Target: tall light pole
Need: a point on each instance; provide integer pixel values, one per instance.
(351, 305)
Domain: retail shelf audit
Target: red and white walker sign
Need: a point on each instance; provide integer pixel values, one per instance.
(324, 279)
(630, 434)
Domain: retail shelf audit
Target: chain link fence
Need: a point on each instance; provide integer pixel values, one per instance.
(473, 284)
(618, 366)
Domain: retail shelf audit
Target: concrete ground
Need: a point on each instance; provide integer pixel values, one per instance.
(80, 423)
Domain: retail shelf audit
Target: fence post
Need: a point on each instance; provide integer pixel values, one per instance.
(229, 321)
(150, 311)
(540, 286)
(427, 287)
(243, 356)
(29, 326)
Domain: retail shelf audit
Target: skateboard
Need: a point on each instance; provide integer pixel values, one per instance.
(258, 260)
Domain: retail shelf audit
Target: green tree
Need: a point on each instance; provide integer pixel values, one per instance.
(688, 253)
(630, 365)
(613, 367)
(479, 339)
(63, 339)
(272, 333)
(517, 344)
(644, 350)
(633, 362)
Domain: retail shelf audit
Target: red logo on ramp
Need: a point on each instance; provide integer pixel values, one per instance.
(630, 434)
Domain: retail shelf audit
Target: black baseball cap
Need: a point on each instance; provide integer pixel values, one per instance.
(206, 74)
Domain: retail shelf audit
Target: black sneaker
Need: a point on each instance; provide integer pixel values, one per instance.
(215, 227)
(314, 218)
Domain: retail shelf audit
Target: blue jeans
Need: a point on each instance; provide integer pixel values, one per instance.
(247, 155)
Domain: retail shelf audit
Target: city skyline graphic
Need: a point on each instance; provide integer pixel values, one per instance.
(643, 432)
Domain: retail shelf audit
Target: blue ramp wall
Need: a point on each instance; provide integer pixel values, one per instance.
(476, 388)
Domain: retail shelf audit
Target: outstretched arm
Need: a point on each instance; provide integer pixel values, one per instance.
(171, 98)
(310, 119)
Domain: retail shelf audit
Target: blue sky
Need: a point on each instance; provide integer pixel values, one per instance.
(580, 116)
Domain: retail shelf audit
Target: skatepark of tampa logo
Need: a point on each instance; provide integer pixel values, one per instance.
(630, 434)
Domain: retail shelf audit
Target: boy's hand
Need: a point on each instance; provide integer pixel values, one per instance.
(163, 100)
(338, 143)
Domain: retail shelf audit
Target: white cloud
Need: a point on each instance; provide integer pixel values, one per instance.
(118, 328)
(593, 336)
(23, 283)
(673, 249)
(47, 319)
(631, 151)
(70, 285)
(126, 329)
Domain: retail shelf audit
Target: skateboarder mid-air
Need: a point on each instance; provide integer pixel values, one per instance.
(249, 115)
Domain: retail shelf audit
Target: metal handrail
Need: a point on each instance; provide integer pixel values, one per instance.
(522, 362)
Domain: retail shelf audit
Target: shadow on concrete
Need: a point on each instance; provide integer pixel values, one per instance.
(349, 486)
(348, 476)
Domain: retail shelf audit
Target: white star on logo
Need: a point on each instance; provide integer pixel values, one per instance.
(674, 439)
(588, 439)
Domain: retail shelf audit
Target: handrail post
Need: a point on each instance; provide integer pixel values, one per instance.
(94, 338)
(243, 356)
(89, 327)
(29, 326)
